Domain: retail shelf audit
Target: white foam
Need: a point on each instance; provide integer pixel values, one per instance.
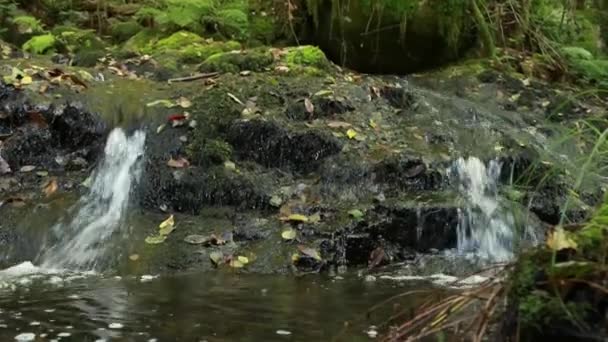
(100, 214)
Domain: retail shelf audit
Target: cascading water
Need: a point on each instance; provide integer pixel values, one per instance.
(485, 228)
(99, 214)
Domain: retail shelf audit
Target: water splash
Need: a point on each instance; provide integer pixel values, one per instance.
(99, 214)
(485, 228)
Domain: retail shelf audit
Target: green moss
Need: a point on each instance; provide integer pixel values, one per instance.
(142, 42)
(123, 30)
(252, 60)
(177, 41)
(40, 44)
(207, 152)
(262, 29)
(233, 23)
(310, 56)
(195, 53)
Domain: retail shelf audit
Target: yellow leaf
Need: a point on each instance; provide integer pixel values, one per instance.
(243, 259)
(297, 218)
(168, 222)
(26, 80)
(154, 240)
(372, 123)
(295, 257)
(288, 234)
(351, 133)
(50, 188)
(134, 257)
(559, 240)
(184, 102)
(167, 226)
(236, 264)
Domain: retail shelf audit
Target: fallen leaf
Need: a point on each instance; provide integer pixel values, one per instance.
(183, 102)
(276, 201)
(42, 173)
(288, 234)
(356, 213)
(323, 92)
(155, 240)
(351, 133)
(376, 257)
(236, 264)
(216, 257)
(4, 167)
(134, 257)
(235, 99)
(559, 239)
(27, 168)
(297, 218)
(16, 202)
(310, 108)
(372, 123)
(230, 165)
(167, 226)
(26, 80)
(51, 187)
(165, 103)
(295, 257)
(315, 218)
(160, 128)
(245, 73)
(310, 252)
(178, 163)
(338, 124)
(243, 259)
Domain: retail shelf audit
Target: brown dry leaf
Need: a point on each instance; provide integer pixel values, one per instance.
(50, 187)
(15, 202)
(310, 108)
(338, 124)
(178, 163)
(311, 252)
(376, 257)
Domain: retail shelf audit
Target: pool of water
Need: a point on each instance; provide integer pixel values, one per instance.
(224, 306)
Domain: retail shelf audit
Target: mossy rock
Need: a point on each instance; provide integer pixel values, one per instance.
(307, 56)
(207, 152)
(177, 41)
(252, 60)
(143, 42)
(233, 23)
(40, 44)
(195, 53)
(121, 31)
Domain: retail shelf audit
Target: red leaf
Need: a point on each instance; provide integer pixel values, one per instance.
(176, 117)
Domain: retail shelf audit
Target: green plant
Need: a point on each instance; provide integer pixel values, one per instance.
(40, 44)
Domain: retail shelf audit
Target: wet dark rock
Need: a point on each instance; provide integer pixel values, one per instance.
(398, 97)
(273, 146)
(188, 190)
(408, 174)
(74, 127)
(29, 145)
(324, 107)
(401, 231)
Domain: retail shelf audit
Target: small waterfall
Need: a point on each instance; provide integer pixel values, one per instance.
(484, 227)
(99, 214)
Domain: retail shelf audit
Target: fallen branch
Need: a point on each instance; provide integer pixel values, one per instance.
(194, 77)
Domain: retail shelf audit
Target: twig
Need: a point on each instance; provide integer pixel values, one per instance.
(193, 77)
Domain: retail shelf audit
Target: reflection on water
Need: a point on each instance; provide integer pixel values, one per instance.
(190, 307)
